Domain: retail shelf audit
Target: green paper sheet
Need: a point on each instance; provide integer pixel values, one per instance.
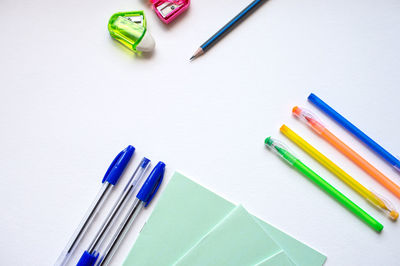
(185, 213)
(278, 259)
(237, 240)
(298, 252)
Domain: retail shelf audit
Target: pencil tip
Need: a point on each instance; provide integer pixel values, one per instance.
(198, 53)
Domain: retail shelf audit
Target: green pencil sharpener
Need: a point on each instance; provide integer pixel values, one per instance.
(130, 29)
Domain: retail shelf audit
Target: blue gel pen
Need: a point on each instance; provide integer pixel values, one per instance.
(110, 179)
(143, 198)
(354, 130)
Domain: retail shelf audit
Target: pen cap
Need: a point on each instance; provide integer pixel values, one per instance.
(309, 118)
(152, 184)
(130, 29)
(117, 166)
(281, 150)
(87, 259)
(168, 10)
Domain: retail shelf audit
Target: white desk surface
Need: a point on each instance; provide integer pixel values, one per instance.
(71, 98)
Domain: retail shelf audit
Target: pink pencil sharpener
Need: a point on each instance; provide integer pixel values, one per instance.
(168, 10)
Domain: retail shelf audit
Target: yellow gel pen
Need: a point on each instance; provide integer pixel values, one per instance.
(336, 170)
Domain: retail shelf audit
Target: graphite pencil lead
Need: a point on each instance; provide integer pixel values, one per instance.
(198, 53)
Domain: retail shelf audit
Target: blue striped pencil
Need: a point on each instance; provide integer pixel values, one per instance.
(227, 28)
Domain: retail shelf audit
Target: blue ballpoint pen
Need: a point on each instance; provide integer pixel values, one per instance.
(143, 199)
(355, 131)
(116, 210)
(111, 178)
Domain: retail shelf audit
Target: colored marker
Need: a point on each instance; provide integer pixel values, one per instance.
(378, 202)
(355, 131)
(320, 129)
(282, 151)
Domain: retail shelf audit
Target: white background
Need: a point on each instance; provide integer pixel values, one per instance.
(71, 98)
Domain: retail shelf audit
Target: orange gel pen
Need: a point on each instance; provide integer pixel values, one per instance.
(321, 130)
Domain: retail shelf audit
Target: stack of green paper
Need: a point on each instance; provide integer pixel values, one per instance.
(191, 225)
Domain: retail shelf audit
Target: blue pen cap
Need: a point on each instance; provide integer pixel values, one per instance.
(152, 184)
(87, 259)
(144, 162)
(116, 168)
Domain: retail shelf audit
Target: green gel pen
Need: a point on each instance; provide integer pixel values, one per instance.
(280, 149)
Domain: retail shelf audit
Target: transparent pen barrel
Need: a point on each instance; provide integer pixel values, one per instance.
(91, 213)
(123, 199)
(122, 230)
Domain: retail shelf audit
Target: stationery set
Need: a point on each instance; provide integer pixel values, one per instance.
(191, 225)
